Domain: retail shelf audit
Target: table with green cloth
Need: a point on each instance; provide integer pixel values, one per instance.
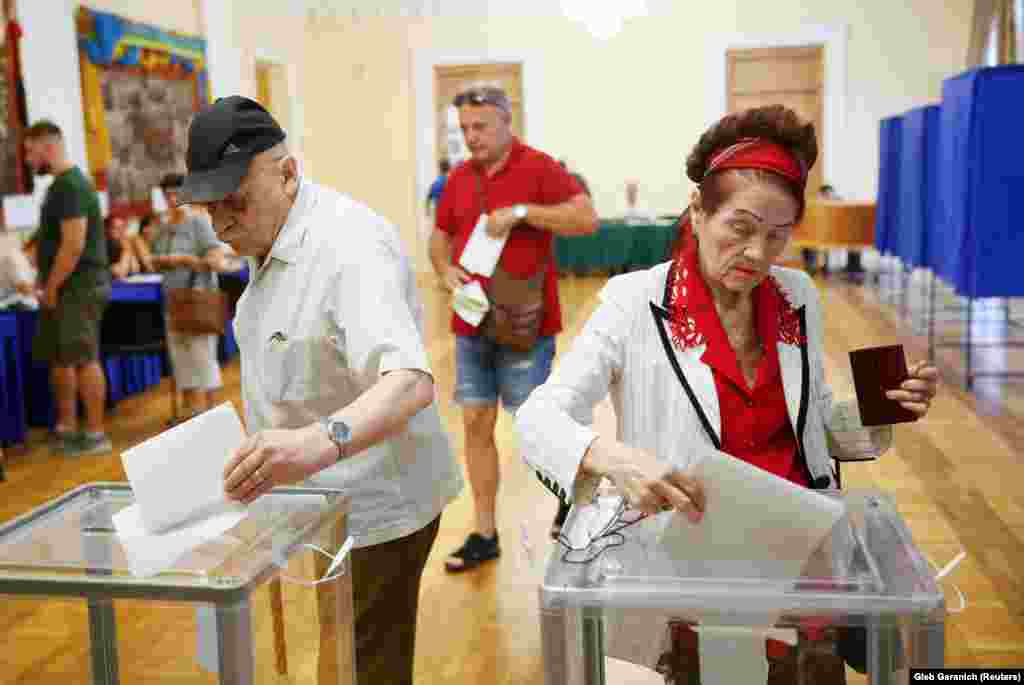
(616, 246)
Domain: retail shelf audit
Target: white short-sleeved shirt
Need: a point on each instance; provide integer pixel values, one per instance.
(332, 307)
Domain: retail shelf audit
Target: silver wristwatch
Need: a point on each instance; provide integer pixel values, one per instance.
(519, 211)
(339, 433)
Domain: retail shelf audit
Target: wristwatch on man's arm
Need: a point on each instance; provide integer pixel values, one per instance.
(519, 212)
(339, 433)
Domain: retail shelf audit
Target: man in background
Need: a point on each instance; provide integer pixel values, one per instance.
(74, 280)
(529, 198)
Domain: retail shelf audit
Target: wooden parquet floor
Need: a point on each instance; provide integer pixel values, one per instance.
(955, 478)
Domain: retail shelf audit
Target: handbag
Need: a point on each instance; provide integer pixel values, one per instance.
(517, 304)
(196, 311)
(517, 309)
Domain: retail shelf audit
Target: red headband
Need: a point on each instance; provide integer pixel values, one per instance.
(756, 153)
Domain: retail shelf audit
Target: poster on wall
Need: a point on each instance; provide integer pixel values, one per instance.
(141, 85)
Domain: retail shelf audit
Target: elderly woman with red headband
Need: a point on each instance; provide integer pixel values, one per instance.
(718, 348)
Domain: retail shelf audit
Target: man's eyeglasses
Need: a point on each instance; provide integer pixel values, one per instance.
(483, 96)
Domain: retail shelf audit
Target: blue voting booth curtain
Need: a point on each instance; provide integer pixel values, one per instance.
(978, 242)
(887, 206)
(918, 164)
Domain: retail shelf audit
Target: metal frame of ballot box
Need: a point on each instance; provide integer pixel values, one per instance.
(879, 586)
(38, 558)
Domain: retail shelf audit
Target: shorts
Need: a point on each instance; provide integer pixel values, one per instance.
(69, 334)
(193, 361)
(485, 371)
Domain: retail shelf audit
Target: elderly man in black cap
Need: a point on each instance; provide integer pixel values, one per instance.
(337, 387)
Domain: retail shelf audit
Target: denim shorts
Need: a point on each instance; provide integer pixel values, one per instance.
(485, 370)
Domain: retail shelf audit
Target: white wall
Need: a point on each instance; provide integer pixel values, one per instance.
(628, 106)
(224, 59)
(49, 63)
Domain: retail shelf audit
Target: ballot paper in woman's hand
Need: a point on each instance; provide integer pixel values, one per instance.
(754, 522)
(755, 525)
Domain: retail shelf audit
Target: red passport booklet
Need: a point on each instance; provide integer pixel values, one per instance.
(875, 371)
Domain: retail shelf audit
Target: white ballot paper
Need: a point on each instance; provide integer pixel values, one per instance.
(470, 302)
(755, 523)
(177, 478)
(482, 252)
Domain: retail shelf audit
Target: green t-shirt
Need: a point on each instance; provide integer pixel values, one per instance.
(71, 196)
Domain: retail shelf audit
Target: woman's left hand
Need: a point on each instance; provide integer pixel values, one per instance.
(917, 392)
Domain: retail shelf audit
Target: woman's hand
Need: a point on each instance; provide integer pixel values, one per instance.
(647, 484)
(917, 392)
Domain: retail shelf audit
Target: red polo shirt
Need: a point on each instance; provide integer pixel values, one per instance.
(531, 177)
(755, 421)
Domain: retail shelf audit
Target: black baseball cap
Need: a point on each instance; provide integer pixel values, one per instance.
(222, 140)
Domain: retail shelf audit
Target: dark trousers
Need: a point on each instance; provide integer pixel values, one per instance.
(386, 588)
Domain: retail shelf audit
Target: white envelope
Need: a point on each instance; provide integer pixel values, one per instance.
(482, 252)
(177, 476)
(470, 302)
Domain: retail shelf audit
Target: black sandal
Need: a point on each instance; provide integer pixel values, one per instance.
(476, 550)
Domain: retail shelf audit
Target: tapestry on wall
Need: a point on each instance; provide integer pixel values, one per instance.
(140, 87)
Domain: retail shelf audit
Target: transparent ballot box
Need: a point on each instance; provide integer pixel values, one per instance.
(218, 614)
(866, 601)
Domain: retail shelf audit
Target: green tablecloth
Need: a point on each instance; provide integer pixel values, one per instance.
(615, 245)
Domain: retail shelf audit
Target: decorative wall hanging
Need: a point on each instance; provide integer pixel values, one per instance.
(140, 87)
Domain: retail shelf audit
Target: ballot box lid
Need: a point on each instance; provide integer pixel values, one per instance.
(69, 547)
(867, 566)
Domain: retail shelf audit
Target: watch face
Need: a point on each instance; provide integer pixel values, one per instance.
(519, 211)
(340, 431)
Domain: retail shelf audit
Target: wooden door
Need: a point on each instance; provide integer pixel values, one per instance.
(793, 77)
(450, 80)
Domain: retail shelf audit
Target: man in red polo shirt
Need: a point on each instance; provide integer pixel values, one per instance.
(529, 196)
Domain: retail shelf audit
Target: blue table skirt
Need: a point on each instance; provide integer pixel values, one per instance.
(135, 292)
(127, 374)
(12, 405)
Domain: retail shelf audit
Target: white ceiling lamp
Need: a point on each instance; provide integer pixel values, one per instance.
(604, 20)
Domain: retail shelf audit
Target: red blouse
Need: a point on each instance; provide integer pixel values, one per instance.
(755, 422)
